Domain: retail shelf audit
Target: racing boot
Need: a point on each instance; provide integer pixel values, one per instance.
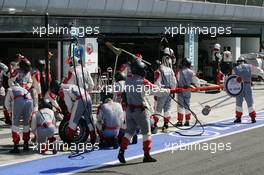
(15, 150)
(148, 158)
(25, 146)
(238, 117)
(187, 119)
(8, 121)
(253, 116)
(154, 124)
(134, 139)
(26, 138)
(7, 117)
(237, 120)
(154, 129)
(187, 123)
(43, 148)
(180, 118)
(179, 123)
(101, 143)
(165, 127)
(121, 156)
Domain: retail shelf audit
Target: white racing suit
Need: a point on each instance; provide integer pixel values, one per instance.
(110, 121)
(77, 106)
(126, 69)
(2, 89)
(165, 79)
(43, 127)
(119, 91)
(227, 63)
(216, 58)
(185, 77)
(25, 80)
(18, 103)
(43, 124)
(39, 82)
(245, 71)
(83, 78)
(136, 89)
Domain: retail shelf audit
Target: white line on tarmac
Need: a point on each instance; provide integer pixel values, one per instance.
(135, 157)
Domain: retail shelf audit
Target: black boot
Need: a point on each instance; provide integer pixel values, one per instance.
(121, 156)
(25, 146)
(154, 129)
(8, 121)
(148, 158)
(253, 120)
(179, 123)
(187, 123)
(101, 143)
(238, 120)
(134, 139)
(15, 150)
(165, 127)
(54, 151)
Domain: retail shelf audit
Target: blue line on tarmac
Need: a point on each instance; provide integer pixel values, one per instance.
(61, 164)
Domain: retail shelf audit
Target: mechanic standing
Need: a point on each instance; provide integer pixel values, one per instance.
(216, 59)
(19, 105)
(137, 87)
(186, 78)
(164, 78)
(245, 71)
(227, 62)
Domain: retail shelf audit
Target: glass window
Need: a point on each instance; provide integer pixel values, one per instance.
(242, 2)
(217, 1)
(255, 2)
(195, 0)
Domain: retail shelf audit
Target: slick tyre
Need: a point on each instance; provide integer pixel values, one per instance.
(81, 134)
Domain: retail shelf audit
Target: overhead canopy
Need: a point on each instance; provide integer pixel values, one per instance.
(172, 9)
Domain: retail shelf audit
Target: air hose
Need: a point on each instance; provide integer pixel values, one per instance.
(185, 105)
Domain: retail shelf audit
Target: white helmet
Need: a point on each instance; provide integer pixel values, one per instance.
(169, 51)
(217, 47)
(241, 59)
(166, 61)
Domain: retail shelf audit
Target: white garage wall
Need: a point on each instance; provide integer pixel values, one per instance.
(249, 44)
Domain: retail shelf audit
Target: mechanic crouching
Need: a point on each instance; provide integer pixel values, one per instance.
(110, 120)
(43, 126)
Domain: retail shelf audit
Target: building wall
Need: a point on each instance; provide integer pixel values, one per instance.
(250, 44)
